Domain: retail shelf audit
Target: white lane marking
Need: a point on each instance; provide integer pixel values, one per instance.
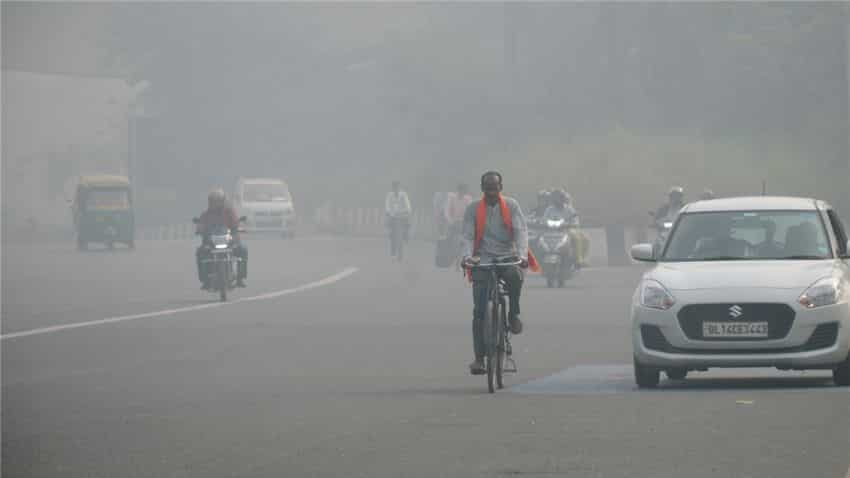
(148, 315)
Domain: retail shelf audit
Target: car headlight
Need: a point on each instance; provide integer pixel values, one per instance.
(826, 291)
(655, 296)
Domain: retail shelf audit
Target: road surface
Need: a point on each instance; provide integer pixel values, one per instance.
(337, 362)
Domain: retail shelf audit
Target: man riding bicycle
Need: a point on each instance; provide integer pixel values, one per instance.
(494, 228)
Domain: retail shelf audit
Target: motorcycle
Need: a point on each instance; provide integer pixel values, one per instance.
(557, 251)
(221, 264)
(662, 225)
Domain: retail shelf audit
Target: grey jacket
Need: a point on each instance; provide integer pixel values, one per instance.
(497, 241)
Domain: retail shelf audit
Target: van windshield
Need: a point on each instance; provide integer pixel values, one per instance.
(107, 199)
(265, 192)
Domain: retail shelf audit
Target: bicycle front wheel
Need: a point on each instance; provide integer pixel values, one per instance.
(491, 327)
(500, 321)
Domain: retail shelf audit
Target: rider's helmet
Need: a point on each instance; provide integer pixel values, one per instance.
(559, 197)
(707, 194)
(676, 194)
(568, 199)
(543, 197)
(216, 198)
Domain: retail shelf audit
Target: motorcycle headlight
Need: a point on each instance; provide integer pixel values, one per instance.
(826, 291)
(221, 246)
(655, 296)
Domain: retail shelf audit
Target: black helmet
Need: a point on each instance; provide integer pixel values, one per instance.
(676, 192)
(559, 196)
(216, 198)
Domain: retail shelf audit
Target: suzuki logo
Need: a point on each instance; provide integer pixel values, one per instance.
(736, 311)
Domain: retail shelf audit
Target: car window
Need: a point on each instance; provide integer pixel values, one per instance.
(839, 231)
(751, 235)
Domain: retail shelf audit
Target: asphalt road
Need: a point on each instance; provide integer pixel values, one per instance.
(363, 373)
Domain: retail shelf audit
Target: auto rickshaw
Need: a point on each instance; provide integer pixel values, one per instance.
(103, 211)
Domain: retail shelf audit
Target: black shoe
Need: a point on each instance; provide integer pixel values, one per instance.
(515, 324)
(477, 367)
(240, 283)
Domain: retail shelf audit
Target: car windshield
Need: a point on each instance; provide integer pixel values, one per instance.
(107, 200)
(748, 235)
(266, 192)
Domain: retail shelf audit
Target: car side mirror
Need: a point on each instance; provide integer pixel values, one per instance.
(195, 220)
(643, 253)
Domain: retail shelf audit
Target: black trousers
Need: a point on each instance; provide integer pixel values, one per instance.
(513, 277)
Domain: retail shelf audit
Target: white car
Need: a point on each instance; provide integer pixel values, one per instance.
(745, 282)
(266, 204)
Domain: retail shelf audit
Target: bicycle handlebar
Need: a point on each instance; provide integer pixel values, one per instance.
(500, 262)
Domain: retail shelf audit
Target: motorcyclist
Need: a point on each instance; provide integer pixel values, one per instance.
(543, 202)
(398, 210)
(675, 202)
(220, 213)
(493, 228)
(562, 207)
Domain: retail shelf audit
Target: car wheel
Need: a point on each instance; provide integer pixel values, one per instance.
(841, 374)
(646, 377)
(676, 373)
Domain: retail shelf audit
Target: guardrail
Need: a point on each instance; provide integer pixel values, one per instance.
(609, 245)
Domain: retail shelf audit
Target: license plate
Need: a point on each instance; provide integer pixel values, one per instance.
(755, 330)
(553, 259)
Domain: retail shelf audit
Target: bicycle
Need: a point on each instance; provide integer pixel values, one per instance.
(495, 329)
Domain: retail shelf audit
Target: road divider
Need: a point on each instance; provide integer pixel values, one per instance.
(332, 279)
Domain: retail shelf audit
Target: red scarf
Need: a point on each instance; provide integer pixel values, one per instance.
(481, 221)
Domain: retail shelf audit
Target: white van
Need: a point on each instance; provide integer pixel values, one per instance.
(267, 205)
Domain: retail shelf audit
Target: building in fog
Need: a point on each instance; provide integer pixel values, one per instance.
(56, 127)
